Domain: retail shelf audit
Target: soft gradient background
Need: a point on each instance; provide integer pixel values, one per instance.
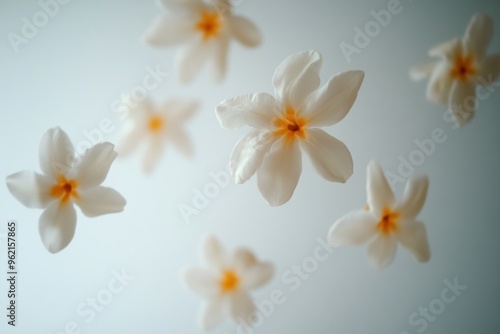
(91, 53)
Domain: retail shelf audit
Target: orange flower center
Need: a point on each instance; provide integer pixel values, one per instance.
(229, 281)
(388, 223)
(156, 123)
(290, 125)
(209, 24)
(64, 189)
(463, 68)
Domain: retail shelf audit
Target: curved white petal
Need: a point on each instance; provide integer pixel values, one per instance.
(213, 313)
(478, 35)
(201, 281)
(131, 138)
(30, 188)
(257, 275)
(329, 156)
(57, 226)
(154, 151)
(490, 69)
(414, 196)
(296, 77)
(354, 228)
(169, 30)
(447, 50)
(463, 102)
(422, 71)
(181, 141)
(382, 250)
(57, 154)
(220, 48)
(179, 110)
(100, 201)
(279, 173)
(190, 59)
(413, 236)
(93, 167)
(255, 110)
(244, 30)
(214, 253)
(380, 195)
(248, 154)
(183, 6)
(440, 83)
(243, 258)
(329, 104)
(242, 307)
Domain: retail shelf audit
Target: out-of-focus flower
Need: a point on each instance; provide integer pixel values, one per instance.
(463, 66)
(287, 124)
(66, 180)
(225, 281)
(157, 126)
(384, 222)
(203, 31)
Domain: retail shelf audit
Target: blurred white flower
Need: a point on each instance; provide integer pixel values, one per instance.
(225, 282)
(156, 126)
(463, 65)
(203, 30)
(285, 125)
(66, 180)
(384, 222)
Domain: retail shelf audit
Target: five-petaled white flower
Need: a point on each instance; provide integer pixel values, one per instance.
(225, 281)
(463, 65)
(157, 126)
(66, 180)
(204, 30)
(285, 125)
(384, 222)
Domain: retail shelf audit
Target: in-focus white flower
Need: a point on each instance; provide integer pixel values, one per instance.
(203, 30)
(463, 66)
(157, 126)
(66, 180)
(384, 222)
(287, 124)
(224, 282)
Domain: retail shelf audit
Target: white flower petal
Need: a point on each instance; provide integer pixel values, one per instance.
(132, 137)
(242, 307)
(440, 83)
(183, 6)
(463, 102)
(382, 250)
(329, 104)
(154, 151)
(296, 77)
(257, 275)
(490, 69)
(100, 201)
(57, 226)
(422, 71)
(30, 188)
(447, 50)
(255, 110)
(93, 167)
(201, 281)
(244, 30)
(329, 156)
(182, 142)
(57, 154)
(219, 57)
(248, 154)
(380, 195)
(169, 30)
(354, 228)
(478, 35)
(190, 59)
(414, 196)
(213, 313)
(214, 253)
(279, 173)
(413, 236)
(179, 110)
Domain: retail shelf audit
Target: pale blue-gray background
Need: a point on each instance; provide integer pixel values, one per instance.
(89, 54)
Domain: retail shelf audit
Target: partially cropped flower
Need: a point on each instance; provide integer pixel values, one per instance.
(157, 126)
(66, 180)
(224, 283)
(463, 66)
(203, 31)
(287, 124)
(384, 222)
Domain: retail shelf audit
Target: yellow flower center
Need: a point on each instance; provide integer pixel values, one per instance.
(229, 281)
(209, 24)
(463, 68)
(388, 223)
(156, 123)
(64, 189)
(290, 125)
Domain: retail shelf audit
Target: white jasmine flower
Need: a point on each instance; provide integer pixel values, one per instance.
(384, 222)
(225, 282)
(66, 180)
(463, 65)
(203, 30)
(156, 126)
(287, 124)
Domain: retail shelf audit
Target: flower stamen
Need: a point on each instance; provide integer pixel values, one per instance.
(463, 68)
(209, 24)
(388, 223)
(290, 125)
(156, 123)
(229, 281)
(64, 189)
